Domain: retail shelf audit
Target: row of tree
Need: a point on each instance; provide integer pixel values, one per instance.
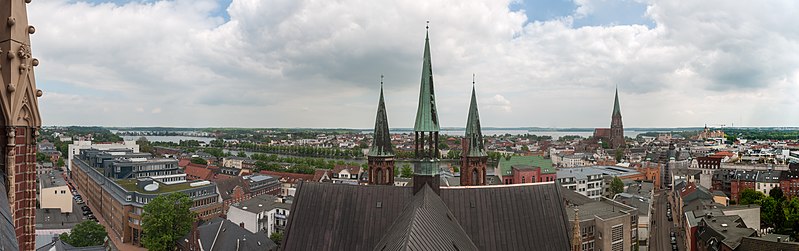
(776, 210)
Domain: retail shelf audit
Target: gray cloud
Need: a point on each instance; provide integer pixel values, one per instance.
(317, 64)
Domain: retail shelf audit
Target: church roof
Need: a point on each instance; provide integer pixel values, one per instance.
(426, 115)
(616, 108)
(381, 144)
(425, 224)
(352, 217)
(474, 130)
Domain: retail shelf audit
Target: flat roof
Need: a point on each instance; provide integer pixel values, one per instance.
(52, 179)
(130, 186)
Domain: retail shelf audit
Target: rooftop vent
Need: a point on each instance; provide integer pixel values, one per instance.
(151, 187)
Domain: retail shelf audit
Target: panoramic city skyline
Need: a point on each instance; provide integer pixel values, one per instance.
(297, 64)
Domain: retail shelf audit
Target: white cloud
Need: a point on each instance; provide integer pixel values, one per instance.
(317, 63)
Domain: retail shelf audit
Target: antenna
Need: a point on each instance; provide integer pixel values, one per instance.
(473, 78)
(381, 79)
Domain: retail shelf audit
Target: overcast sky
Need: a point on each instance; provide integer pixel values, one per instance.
(293, 63)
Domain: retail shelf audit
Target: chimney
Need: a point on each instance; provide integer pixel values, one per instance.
(241, 225)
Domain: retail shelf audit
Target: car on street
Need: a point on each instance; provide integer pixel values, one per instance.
(674, 247)
(673, 234)
(673, 240)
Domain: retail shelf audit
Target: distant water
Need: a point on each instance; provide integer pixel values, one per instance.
(174, 139)
(553, 134)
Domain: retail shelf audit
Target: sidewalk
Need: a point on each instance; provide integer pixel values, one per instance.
(117, 243)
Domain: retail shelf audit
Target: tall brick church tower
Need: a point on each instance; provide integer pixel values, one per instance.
(616, 127)
(20, 119)
(381, 154)
(473, 156)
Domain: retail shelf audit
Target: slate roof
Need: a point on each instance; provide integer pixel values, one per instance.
(730, 233)
(352, 217)
(8, 238)
(218, 234)
(59, 245)
(425, 224)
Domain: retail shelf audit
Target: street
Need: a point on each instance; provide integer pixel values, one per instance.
(660, 238)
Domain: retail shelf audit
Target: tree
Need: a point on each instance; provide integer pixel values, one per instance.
(616, 186)
(277, 237)
(41, 157)
(199, 161)
(767, 209)
(144, 145)
(242, 154)
(525, 148)
(165, 220)
(750, 196)
(87, 233)
(60, 163)
(619, 154)
(776, 193)
(406, 171)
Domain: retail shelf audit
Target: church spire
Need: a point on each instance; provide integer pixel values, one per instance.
(616, 108)
(426, 115)
(381, 145)
(473, 129)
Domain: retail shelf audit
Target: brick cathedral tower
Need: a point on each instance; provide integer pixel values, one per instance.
(616, 127)
(20, 118)
(381, 154)
(473, 156)
(426, 130)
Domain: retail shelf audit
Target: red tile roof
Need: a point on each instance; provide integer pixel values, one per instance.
(194, 171)
(290, 177)
(184, 162)
(319, 173)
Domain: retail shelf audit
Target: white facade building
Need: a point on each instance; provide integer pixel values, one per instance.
(261, 213)
(586, 181)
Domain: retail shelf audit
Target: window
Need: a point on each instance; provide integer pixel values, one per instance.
(617, 238)
(522, 179)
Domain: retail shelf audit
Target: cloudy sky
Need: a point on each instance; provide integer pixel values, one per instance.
(293, 63)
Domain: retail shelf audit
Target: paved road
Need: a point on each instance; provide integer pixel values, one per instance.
(660, 236)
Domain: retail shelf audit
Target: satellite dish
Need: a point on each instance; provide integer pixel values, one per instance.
(151, 187)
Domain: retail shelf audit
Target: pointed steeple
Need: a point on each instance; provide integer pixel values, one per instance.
(473, 129)
(381, 145)
(616, 108)
(426, 115)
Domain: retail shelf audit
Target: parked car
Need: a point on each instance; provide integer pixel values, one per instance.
(673, 240)
(673, 234)
(674, 247)
(85, 208)
(86, 213)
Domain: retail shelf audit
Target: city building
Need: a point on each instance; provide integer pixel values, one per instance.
(75, 148)
(289, 181)
(240, 188)
(604, 224)
(585, 181)
(532, 168)
(264, 213)
(120, 201)
(220, 235)
(21, 123)
(639, 195)
(346, 174)
(789, 181)
(59, 245)
(427, 216)
(54, 192)
(721, 233)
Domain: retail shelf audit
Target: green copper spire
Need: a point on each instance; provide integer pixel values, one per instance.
(473, 130)
(426, 116)
(381, 144)
(616, 109)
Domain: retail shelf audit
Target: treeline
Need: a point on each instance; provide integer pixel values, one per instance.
(272, 162)
(305, 151)
(762, 134)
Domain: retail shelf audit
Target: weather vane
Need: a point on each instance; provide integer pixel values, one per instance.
(473, 78)
(381, 79)
(428, 25)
